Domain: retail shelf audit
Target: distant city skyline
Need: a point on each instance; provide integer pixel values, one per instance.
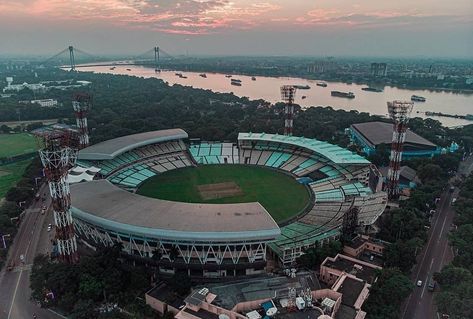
(240, 27)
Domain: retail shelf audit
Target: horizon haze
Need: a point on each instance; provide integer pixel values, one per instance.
(429, 28)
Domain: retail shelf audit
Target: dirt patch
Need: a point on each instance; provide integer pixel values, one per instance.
(219, 190)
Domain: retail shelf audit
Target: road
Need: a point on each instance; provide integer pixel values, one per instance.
(435, 254)
(32, 239)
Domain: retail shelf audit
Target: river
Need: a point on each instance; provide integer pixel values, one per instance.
(267, 88)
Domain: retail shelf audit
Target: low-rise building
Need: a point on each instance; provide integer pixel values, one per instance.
(332, 268)
(364, 245)
(45, 102)
(407, 177)
(296, 296)
(18, 87)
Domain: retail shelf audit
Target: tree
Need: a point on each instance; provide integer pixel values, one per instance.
(429, 172)
(181, 283)
(402, 254)
(456, 293)
(4, 129)
(387, 294)
(461, 239)
(84, 309)
(90, 287)
(314, 256)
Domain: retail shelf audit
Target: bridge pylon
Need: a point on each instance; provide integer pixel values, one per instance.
(72, 59)
(156, 59)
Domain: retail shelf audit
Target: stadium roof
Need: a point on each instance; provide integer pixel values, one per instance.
(111, 148)
(376, 133)
(106, 205)
(334, 153)
(299, 234)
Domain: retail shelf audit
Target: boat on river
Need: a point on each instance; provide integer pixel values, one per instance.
(348, 95)
(302, 87)
(418, 98)
(370, 89)
(322, 84)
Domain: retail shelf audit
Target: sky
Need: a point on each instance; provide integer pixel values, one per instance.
(395, 28)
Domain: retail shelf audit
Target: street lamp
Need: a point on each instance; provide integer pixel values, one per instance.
(36, 181)
(3, 239)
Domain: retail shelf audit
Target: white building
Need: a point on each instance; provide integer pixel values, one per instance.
(45, 102)
(18, 87)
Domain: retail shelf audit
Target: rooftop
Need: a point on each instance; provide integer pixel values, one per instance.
(359, 241)
(364, 272)
(351, 290)
(406, 172)
(164, 293)
(377, 133)
(346, 312)
(106, 205)
(229, 295)
(111, 148)
(332, 152)
(202, 313)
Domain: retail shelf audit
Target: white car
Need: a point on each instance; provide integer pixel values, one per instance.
(50, 227)
(419, 283)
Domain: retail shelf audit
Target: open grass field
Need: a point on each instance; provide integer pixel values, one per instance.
(16, 144)
(10, 174)
(280, 194)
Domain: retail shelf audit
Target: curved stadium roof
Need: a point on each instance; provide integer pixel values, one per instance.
(106, 205)
(111, 148)
(334, 153)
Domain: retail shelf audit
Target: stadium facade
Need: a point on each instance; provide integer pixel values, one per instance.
(218, 240)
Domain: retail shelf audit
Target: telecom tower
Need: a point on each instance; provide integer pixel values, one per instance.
(82, 102)
(399, 112)
(58, 153)
(288, 93)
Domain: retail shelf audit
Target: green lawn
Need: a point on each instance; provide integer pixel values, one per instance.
(16, 144)
(280, 194)
(10, 174)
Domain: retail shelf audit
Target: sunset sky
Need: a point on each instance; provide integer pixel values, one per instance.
(240, 27)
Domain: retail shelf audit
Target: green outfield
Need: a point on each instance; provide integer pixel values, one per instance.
(16, 144)
(10, 174)
(280, 194)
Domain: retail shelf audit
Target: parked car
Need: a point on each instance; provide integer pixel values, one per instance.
(419, 283)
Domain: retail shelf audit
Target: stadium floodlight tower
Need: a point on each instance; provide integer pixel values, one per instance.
(399, 112)
(288, 92)
(82, 102)
(58, 153)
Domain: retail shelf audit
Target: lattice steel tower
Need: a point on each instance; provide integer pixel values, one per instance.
(82, 102)
(58, 153)
(288, 93)
(399, 112)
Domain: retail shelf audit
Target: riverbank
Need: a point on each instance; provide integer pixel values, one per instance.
(268, 89)
(320, 77)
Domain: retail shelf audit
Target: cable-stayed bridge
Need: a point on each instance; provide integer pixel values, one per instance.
(72, 57)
